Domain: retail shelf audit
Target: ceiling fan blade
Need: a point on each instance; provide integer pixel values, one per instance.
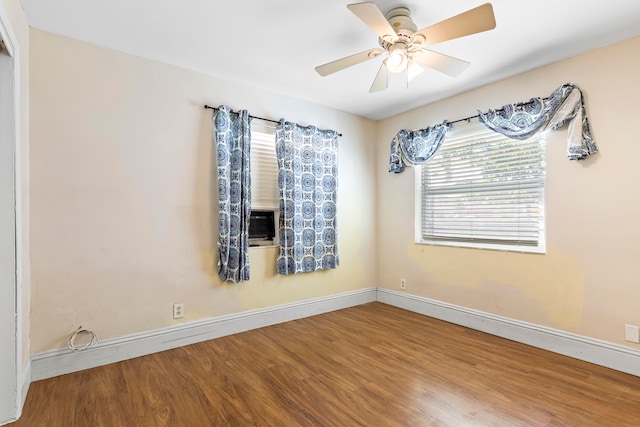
(381, 80)
(443, 63)
(341, 64)
(413, 70)
(369, 13)
(472, 21)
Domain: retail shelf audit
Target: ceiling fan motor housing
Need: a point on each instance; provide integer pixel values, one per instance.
(400, 20)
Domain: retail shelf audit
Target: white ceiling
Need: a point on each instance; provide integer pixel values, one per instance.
(275, 45)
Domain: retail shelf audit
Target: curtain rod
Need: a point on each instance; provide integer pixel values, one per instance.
(468, 119)
(208, 107)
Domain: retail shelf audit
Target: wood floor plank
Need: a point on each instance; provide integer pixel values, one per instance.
(371, 365)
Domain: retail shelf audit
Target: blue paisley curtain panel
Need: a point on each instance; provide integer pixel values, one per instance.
(412, 147)
(566, 103)
(308, 182)
(233, 145)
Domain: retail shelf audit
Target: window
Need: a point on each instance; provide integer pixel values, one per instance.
(264, 187)
(264, 169)
(483, 190)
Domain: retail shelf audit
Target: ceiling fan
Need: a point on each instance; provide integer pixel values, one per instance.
(405, 47)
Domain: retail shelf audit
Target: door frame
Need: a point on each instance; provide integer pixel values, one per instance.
(11, 381)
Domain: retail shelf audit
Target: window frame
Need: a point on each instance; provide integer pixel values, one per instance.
(469, 130)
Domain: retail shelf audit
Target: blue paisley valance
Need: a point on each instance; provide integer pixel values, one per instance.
(517, 121)
(412, 147)
(520, 121)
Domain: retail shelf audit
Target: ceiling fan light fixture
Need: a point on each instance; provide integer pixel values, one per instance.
(397, 60)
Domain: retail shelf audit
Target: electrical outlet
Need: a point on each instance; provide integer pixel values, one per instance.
(632, 333)
(403, 283)
(178, 310)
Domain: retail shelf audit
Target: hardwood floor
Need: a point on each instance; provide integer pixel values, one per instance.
(371, 365)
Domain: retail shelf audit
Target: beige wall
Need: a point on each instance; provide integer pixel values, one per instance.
(121, 224)
(588, 282)
(121, 193)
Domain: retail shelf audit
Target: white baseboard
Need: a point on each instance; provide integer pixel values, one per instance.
(579, 347)
(63, 361)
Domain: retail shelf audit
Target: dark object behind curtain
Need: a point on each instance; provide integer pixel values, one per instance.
(566, 103)
(412, 147)
(233, 147)
(308, 180)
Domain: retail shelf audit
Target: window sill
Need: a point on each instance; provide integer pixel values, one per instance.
(263, 244)
(541, 250)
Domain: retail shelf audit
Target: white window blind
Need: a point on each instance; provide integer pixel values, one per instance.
(482, 189)
(264, 169)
